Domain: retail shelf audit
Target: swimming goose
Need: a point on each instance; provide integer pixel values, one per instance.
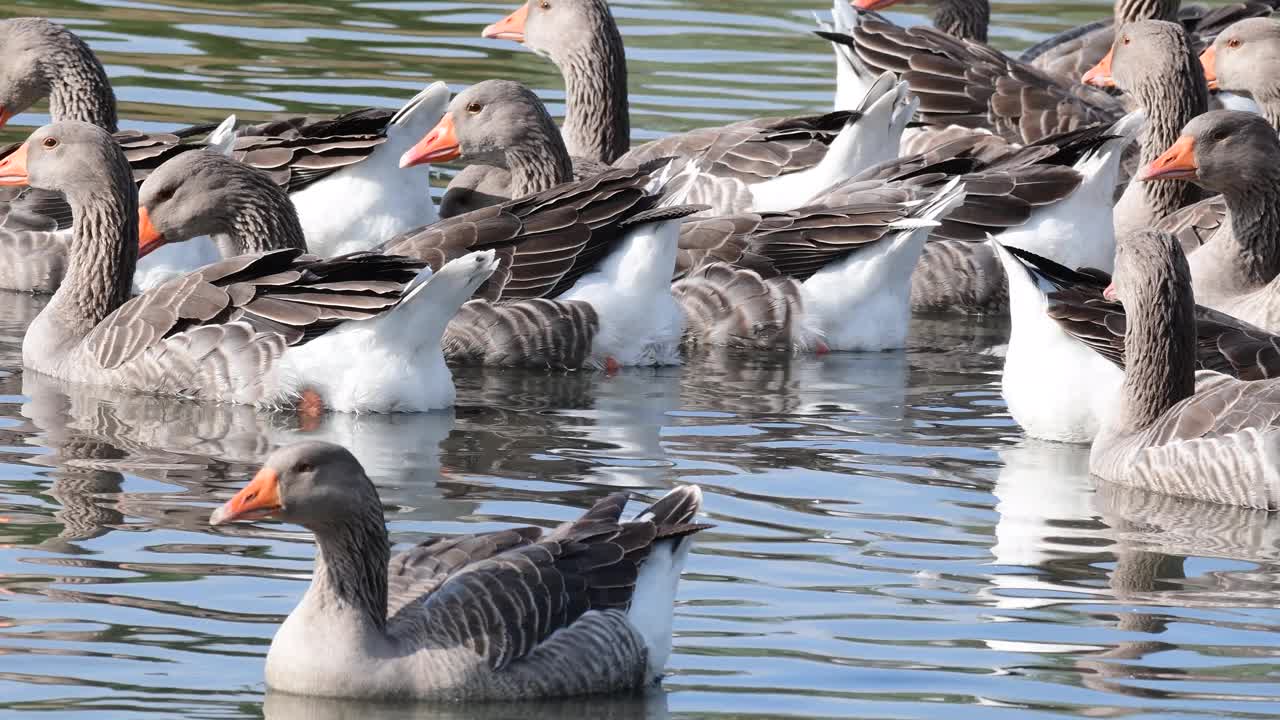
(1218, 441)
(1237, 154)
(552, 248)
(1065, 358)
(502, 615)
(1153, 62)
(341, 172)
(356, 333)
(597, 123)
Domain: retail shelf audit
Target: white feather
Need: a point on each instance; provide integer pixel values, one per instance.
(372, 200)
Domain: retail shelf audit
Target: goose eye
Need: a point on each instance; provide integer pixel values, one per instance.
(1125, 39)
(545, 4)
(1234, 43)
(303, 467)
(473, 108)
(50, 142)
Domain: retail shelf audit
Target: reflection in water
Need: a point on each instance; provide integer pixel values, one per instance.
(1062, 526)
(883, 539)
(651, 705)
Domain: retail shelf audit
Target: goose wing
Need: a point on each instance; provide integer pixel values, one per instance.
(284, 293)
(546, 241)
(504, 594)
(972, 85)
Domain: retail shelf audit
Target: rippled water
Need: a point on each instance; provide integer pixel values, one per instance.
(886, 544)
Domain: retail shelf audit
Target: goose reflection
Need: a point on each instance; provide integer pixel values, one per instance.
(1059, 528)
(650, 705)
(200, 446)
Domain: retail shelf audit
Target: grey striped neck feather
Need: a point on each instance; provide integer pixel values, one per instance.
(1134, 10)
(539, 164)
(597, 122)
(1172, 92)
(1253, 225)
(352, 557)
(104, 248)
(76, 82)
(262, 216)
(965, 19)
(1160, 341)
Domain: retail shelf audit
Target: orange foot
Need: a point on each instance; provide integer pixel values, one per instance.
(822, 348)
(611, 365)
(310, 410)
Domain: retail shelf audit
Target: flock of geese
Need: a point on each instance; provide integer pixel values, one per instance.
(1115, 191)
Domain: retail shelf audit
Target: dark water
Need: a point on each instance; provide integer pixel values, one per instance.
(887, 545)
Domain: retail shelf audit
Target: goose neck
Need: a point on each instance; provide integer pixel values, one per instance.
(1159, 345)
(1171, 101)
(265, 220)
(79, 88)
(1127, 11)
(965, 19)
(352, 559)
(538, 166)
(1253, 226)
(104, 247)
(597, 116)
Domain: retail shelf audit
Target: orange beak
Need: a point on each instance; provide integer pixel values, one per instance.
(510, 27)
(1100, 75)
(13, 169)
(873, 4)
(1177, 163)
(1109, 292)
(149, 239)
(259, 499)
(5, 115)
(1207, 59)
(439, 145)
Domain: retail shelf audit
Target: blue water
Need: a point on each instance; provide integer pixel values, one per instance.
(887, 545)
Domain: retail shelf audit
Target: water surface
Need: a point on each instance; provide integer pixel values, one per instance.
(887, 546)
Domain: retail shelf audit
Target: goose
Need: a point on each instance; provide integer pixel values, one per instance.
(1234, 153)
(515, 614)
(1216, 439)
(1153, 62)
(346, 163)
(584, 268)
(1065, 358)
(597, 124)
(357, 333)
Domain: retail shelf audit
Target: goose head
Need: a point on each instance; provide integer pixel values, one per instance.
(1243, 59)
(72, 157)
(557, 29)
(313, 484)
(482, 123)
(1144, 59)
(1223, 150)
